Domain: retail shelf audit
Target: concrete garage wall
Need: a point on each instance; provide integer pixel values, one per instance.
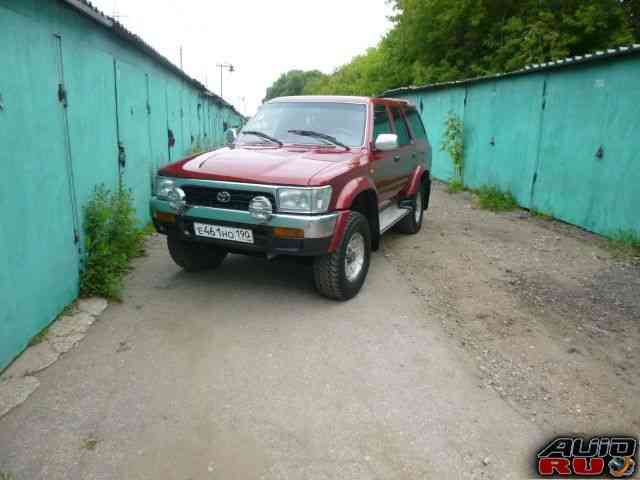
(119, 93)
(536, 133)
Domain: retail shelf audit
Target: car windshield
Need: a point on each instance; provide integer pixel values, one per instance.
(343, 121)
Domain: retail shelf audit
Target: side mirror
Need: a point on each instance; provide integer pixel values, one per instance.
(230, 136)
(386, 142)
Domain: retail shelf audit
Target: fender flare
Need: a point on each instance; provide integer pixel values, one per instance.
(415, 180)
(351, 190)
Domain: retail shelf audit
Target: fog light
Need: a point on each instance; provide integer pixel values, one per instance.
(177, 198)
(282, 232)
(165, 217)
(260, 208)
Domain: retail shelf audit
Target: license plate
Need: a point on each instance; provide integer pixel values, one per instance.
(219, 232)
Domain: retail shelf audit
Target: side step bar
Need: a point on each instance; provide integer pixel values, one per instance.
(391, 215)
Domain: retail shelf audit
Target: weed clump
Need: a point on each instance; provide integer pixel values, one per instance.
(112, 239)
(626, 244)
(490, 197)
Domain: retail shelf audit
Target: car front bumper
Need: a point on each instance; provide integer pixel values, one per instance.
(316, 231)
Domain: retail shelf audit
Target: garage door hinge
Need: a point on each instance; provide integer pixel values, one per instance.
(62, 95)
(535, 178)
(76, 237)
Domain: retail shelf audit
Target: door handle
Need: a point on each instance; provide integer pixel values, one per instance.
(396, 158)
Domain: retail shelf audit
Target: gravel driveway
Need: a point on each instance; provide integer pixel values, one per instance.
(469, 345)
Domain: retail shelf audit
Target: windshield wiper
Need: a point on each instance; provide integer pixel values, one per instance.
(322, 136)
(262, 135)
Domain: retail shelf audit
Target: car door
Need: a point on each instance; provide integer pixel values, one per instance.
(406, 163)
(386, 171)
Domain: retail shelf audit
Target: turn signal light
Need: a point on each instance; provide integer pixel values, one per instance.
(282, 232)
(165, 217)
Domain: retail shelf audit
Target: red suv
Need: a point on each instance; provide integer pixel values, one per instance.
(315, 176)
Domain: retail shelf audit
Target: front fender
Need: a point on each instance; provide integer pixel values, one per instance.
(351, 190)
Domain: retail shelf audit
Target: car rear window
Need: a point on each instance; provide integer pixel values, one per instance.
(417, 127)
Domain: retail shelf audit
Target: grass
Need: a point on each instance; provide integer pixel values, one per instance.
(625, 244)
(540, 215)
(44, 333)
(90, 443)
(455, 186)
(6, 476)
(37, 339)
(492, 198)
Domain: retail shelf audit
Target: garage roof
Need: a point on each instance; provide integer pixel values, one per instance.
(622, 51)
(86, 8)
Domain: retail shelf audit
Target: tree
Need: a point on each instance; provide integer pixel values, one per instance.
(292, 83)
(440, 40)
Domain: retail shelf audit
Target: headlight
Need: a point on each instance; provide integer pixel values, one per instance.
(304, 200)
(162, 187)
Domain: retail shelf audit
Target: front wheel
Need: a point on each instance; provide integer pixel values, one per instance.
(340, 274)
(194, 257)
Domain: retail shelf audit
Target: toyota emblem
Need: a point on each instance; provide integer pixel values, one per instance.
(224, 197)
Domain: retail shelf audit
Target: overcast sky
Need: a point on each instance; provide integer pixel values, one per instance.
(261, 38)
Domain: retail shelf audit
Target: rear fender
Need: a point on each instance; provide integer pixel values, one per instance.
(414, 181)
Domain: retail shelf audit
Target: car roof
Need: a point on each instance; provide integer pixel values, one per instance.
(336, 99)
(321, 98)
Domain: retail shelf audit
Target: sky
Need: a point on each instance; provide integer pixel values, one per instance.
(261, 38)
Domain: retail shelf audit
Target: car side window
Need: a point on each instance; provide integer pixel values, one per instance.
(402, 130)
(381, 123)
(416, 124)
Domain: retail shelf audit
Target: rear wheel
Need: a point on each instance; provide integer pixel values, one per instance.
(412, 223)
(341, 274)
(194, 257)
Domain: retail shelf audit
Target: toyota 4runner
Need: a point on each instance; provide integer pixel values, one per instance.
(314, 176)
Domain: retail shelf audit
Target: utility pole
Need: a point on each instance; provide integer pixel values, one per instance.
(181, 58)
(222, 67)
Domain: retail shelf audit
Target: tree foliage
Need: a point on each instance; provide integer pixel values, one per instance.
(292, 83)
(440, 40)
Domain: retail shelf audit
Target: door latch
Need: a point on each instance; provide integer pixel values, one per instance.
(600, 153)
(62, 95)
(493, 141)
(122, 155)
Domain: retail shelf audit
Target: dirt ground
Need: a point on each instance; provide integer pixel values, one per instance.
(470, 345)
(546, 314)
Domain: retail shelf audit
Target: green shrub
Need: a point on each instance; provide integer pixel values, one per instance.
(455, 185)
(453, 143)
(626, 243)
(489, 197)
(112, 239)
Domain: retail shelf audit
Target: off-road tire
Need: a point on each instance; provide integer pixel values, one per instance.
(410, 224)
(329, 271)
(194, 257)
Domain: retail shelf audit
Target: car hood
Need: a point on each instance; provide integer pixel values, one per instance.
(276, 166)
